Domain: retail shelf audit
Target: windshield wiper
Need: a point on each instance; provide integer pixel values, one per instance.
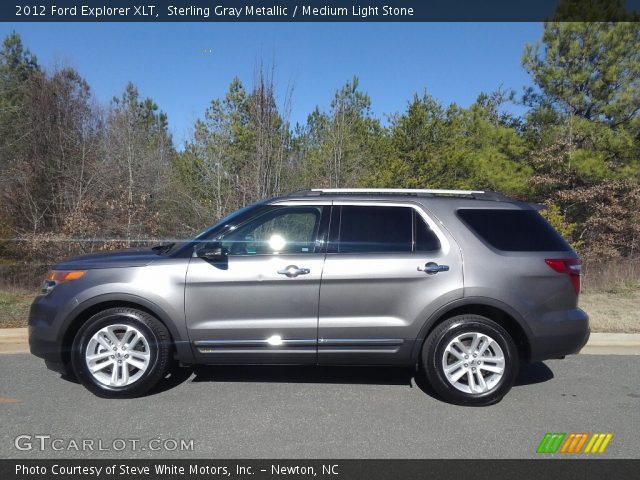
(163, 248)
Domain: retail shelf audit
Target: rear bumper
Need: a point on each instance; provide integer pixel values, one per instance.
(559, 333)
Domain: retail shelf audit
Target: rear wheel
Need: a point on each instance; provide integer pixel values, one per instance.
(470, 360)
(121, 352)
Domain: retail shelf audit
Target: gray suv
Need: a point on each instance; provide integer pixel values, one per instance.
(463, 284)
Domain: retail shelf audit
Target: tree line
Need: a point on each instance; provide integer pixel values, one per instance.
(77, 175)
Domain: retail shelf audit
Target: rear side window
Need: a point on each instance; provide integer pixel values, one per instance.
(425, 239)
(375, 229)
(514, 230)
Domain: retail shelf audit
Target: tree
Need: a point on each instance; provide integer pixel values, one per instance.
(51, 137)
(51, 143)
(70, 166)
(17, 66)
(272, 136)
(588, 70)
(207, 171)
(19, 70)
(139, 152)
(584, 130)
(238, 152)
(341, 143)
(594, 11)
(454, 147)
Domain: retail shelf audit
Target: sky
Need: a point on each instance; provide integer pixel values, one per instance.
(183, 66)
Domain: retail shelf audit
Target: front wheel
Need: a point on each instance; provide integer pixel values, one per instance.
(121, 353)
(470, 360)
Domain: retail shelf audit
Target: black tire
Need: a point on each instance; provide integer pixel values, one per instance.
(433, 351)
(156, 335)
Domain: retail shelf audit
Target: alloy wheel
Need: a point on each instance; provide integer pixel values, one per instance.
(117, 355)
(473, 363)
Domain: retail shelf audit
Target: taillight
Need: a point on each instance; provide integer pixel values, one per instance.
(568, 266)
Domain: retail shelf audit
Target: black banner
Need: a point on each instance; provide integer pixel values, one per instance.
(318, 10)
(201, 469)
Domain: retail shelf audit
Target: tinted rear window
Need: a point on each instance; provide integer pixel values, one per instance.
(514, 230)
(375, 229)
(425, 239)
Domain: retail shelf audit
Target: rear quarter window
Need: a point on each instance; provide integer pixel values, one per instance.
(513, 230)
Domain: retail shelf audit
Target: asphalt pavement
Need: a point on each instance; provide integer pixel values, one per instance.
(313, 412)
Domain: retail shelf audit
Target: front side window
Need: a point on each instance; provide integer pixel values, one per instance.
(283, 230)
(374, 229)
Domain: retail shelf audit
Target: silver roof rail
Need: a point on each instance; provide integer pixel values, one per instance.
(474, 194)
(398, 190)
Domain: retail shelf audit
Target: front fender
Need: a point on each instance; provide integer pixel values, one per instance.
(176, 328)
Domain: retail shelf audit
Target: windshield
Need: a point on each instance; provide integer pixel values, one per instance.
(205, 234)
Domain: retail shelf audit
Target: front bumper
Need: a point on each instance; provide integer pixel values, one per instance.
(45, 336)
(51, 352)
(559, 333)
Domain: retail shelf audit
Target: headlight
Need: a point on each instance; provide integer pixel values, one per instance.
(56, 277)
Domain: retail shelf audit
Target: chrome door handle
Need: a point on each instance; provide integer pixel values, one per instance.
(293, 271)
(431, 268)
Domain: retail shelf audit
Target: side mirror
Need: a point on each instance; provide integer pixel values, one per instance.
(213, 252)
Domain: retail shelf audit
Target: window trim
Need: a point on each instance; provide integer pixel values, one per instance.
(413, 231)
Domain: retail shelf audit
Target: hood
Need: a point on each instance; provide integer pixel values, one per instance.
(114, 259)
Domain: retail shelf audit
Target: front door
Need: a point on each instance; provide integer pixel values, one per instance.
(260, 304)
(388, 268)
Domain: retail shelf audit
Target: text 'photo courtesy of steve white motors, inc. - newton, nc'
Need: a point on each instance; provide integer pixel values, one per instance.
(150, 12)
(172, 470)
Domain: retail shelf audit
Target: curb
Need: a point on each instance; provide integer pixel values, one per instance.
(16, 340)
(613, 344)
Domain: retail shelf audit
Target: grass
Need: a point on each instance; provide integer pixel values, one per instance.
(615, 276)
(613, 312)
(617, 311)
(14, 307)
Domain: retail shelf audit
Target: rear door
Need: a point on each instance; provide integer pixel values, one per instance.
(388, 267)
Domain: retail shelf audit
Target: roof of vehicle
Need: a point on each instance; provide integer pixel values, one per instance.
(445, 199)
